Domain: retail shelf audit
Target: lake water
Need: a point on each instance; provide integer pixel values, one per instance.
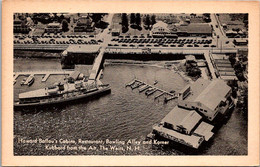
(119, 116)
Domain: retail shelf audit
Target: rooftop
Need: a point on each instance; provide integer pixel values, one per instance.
(209, 93)
(182, 117)
(194, 28)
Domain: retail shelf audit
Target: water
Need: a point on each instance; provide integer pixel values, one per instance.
(122, 115)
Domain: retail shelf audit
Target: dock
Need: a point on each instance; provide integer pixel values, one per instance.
(151, 89)
(45, 73)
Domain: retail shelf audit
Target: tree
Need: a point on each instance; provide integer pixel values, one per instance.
(97, 17)
(147, 21)
(132, 18)
(138, 19)
(153, 20)
(124, 23)
(65, 25)
(232, 59)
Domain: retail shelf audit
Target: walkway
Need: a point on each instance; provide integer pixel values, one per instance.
(46, 73)
(106, 37)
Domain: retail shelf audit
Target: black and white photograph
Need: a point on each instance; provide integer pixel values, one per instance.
(130, 84)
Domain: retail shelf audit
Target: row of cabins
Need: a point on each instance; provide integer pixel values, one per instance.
(84, 24)
(199, 103)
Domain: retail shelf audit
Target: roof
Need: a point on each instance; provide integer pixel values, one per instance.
(74, 75)
(176, 115)
(160, 24)
(208, 93)
(182, 117)
(241, 40)
(231, 32)
(196, 28)
(85, 20)
(83, 48)
(204, 129)
(196, 88)
(54, 24)
(213, 94)
(190, 121)
(190, 58)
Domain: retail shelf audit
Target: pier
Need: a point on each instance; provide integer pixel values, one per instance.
(150, 89)
(45, 73)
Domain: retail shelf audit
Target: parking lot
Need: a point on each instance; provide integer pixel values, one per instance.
(56, 39)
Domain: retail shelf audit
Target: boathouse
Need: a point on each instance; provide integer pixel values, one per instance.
(79, 54)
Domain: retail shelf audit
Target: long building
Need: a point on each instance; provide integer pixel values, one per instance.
(206, 97)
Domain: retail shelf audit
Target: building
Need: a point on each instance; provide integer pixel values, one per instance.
(206, 97)
(79, 54)
(240, 41)
(53, 28)
(184, 126)
(115, 32)
(231, 33)
(20, 26)
(84, 24)
(161, 30)
(194, 29)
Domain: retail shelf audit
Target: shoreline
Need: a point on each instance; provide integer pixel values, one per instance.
(159, 64)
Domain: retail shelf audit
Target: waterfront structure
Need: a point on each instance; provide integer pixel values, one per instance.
(185, 127)
(53, 28)
(206, 97)
(79, 54)
(84, 24)
(198, 103)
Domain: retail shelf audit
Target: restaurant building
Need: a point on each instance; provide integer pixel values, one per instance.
(84, 24)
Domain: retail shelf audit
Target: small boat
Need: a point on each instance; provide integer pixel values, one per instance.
(29, 80)
(155, 82)
(23, 81)
(172, 91)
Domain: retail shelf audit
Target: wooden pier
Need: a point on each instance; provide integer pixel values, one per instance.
(151, 89)
(45, 73)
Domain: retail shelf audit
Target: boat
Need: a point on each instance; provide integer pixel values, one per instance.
(61, 92)
(155, 82)
(30, 80)
(23, 81)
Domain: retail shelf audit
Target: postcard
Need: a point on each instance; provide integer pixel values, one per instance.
(128, 83)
